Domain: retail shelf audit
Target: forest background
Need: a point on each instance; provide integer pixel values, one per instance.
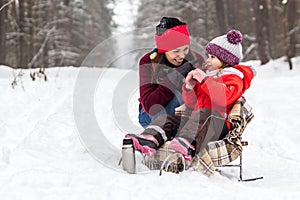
(42, 34)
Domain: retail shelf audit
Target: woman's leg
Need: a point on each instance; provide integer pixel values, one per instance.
(170, 107)
(145, 119)
(163, 128)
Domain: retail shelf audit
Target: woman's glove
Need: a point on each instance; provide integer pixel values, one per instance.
(177, 75)
(185, 69)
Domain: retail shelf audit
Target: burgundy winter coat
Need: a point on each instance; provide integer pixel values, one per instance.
(152, 93)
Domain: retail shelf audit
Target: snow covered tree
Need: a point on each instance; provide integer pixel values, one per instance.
(39, 33)
(54, 33)
(268, 32)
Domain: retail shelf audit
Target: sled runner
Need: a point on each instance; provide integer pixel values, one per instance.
(218, 154)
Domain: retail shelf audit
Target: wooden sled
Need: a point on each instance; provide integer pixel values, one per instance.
(218, 154)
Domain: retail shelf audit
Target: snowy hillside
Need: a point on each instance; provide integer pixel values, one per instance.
(60, 140)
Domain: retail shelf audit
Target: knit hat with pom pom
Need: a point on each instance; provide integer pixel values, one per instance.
(227, 47)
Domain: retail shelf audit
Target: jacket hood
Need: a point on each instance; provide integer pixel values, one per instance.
(248, 75)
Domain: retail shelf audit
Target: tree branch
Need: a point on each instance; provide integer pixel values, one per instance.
(40, 51)
(2, 7)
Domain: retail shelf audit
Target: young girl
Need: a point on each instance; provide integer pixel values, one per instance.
(161, 71)
(210, 95)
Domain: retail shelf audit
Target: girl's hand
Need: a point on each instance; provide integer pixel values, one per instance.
(189, 81)
(199, 75)
(194, 76)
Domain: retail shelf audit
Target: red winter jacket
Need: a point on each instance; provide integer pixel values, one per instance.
(219, 92)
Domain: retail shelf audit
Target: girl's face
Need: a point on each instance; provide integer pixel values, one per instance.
(177, 55)
(213, 63)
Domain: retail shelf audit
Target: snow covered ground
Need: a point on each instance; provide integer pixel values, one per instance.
(44, 153)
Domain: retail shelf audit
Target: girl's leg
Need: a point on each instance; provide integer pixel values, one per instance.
(204, 126)
(213, 128)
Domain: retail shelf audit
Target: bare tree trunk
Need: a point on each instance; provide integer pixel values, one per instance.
(231, 5)
(273, 24)
(3, 13)
(31, 30)
(260, 9)
(22, 42)
(221, 16)
(291, 19)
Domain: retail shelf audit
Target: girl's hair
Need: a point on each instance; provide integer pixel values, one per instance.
(224, 64)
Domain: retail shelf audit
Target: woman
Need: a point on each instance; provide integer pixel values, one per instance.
(161, 71)
(211, 95)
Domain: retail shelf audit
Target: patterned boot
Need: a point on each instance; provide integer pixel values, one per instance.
(146, 144)
(149, 141)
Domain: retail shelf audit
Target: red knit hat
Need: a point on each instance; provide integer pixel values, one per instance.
(172, 38)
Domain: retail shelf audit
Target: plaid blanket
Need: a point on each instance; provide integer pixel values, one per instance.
(218, 153)
(230, 148)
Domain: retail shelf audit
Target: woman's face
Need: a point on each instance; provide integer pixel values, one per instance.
(177, 55)
(213, 63)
